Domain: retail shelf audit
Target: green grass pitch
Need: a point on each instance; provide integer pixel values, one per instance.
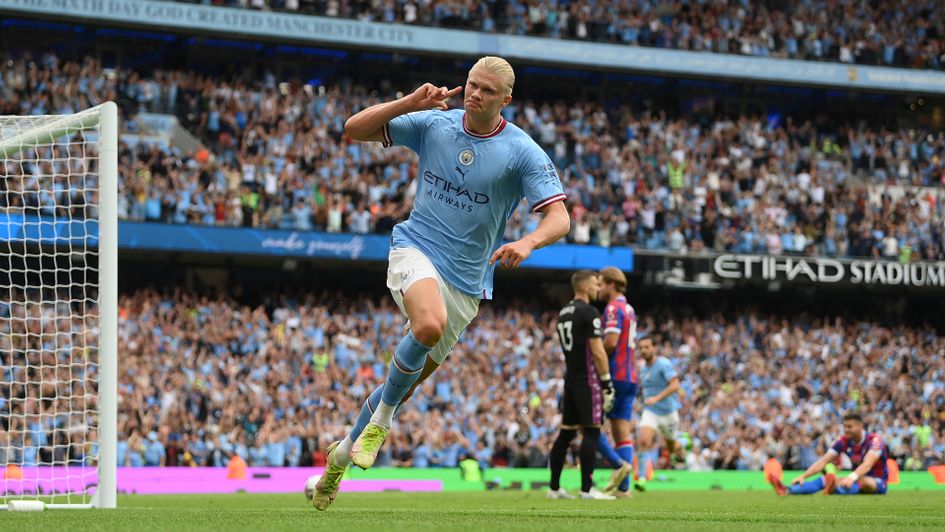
(501, 510)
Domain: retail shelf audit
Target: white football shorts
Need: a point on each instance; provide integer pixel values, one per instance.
(407, 266)
(666, 424)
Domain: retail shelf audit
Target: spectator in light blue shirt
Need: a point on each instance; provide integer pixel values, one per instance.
(276, 452)
(152, 206)
(30, 452)
(154, 454)
(302, 215)
(421, 456)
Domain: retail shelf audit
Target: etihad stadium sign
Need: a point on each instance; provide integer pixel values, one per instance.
(825, 270)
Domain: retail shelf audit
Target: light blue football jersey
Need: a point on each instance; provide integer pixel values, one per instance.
(656, 378)
(468, 186)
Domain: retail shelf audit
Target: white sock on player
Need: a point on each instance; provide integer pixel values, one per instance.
(341, 455)
(384, 415)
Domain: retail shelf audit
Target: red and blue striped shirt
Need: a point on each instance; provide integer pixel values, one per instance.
(620, 318)
(871, 443)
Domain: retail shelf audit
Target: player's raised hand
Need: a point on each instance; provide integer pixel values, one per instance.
(429, 96)
(512, 254)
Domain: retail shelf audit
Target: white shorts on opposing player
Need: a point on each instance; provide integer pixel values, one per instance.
(667, 424)
(407, 266)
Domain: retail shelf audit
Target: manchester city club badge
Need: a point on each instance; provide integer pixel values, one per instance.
(466, 157)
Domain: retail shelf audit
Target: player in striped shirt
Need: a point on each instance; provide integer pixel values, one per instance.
(868, 454)
(620, 330)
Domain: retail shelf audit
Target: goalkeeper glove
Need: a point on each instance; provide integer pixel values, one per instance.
(609, 392)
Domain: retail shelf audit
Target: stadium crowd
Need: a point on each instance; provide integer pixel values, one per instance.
(207, 377)
(278, 157)
(881, 32)
(203, 378)
(288, 380)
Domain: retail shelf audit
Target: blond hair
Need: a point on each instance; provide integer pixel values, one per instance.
(500, 67)
(614, 275)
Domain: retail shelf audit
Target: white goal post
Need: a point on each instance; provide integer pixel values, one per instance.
(59, 309)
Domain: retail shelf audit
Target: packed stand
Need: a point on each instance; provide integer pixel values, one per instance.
(204, 378)
(884, 33)
(748, 184)
(48, 407)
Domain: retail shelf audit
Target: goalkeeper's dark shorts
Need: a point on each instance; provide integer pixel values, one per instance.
(582, 406)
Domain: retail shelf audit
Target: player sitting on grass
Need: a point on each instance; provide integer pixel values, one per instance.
(868, 454)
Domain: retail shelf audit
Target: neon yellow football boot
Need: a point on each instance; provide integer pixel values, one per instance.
(365, 448)
(327, 487)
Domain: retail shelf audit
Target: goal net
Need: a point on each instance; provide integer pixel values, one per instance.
(58, 309)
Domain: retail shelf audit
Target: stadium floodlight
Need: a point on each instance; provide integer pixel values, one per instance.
(59, 309)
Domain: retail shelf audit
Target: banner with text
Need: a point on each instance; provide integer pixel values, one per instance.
(295, 27)
(143, 236)
(305, 244)
(825, 270)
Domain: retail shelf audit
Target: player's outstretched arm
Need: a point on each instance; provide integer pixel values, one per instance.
(814, 468)
(554, 224)
(368, 124)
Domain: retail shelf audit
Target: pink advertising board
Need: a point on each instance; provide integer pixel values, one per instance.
(170, 480)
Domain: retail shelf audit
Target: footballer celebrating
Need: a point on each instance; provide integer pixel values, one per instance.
(474, 170)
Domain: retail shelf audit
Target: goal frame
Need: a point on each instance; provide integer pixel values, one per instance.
(106, 117)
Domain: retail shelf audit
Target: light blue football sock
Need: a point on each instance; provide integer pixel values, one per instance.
(405, 368)
(367, 409)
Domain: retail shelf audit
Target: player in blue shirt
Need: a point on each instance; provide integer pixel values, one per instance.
(660, 404)
(474, 170)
